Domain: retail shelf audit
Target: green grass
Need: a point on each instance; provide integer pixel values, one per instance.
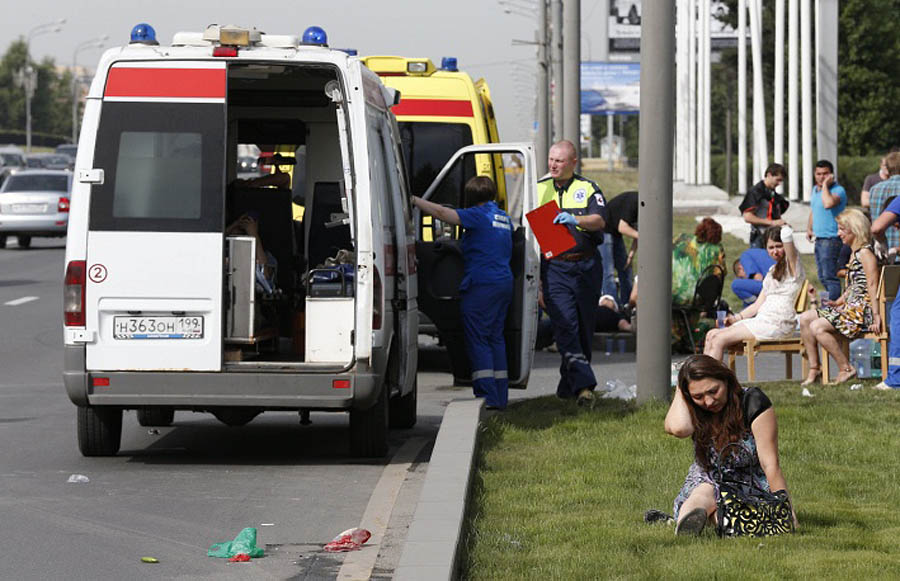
(560, 493)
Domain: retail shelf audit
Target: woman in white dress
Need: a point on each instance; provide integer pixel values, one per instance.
(772, 315)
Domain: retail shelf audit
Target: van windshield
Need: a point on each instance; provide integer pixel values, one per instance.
(427, 147)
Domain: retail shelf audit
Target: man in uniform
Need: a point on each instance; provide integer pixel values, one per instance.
(571, 282)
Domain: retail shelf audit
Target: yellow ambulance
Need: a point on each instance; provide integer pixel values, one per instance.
(441, 110)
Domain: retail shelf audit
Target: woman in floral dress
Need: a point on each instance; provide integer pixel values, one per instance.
(855, 312)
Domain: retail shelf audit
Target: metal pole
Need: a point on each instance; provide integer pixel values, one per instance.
(654, 342)
(778, 156)
(542, 134)
(827, 81)
(692, 88)
(793, 129)
(682, 95)
(701, 89)
(609, 138)
(742, 98)
(572, 72)
(760, 144)
(706, 176)
(30, 86)
(806, 98)
(556, 59)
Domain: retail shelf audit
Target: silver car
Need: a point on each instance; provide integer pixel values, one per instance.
(34, 203)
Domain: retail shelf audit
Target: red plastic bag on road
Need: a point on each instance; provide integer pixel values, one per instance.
(239, 558)
(349, 540)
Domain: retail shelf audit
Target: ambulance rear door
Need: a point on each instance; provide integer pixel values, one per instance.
(440, 264)
(154, 263)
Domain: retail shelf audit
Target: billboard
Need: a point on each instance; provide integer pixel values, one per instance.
(610, 88)
(624, 26)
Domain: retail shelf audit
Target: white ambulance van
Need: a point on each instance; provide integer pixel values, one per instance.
(189, 289)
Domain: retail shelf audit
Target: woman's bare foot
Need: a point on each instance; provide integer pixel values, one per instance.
(844, 375)
(814, 373)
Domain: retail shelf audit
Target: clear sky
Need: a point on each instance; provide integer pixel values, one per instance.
(477, 32)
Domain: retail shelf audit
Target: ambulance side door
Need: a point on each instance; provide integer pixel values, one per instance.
(441, 269)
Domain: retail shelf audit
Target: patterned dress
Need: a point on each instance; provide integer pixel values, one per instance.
(689, 259)
(853, 318)
(744, 463)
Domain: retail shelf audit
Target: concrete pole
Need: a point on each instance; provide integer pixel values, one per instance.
(742, 98)
(556, 58)
(654, 342)
(760, 144)
(706, 140)
(827, 81)
(806, 98)
(542, 119)
(572, 73)
(683, 94)
(692, 178)
(778, 156)
(701, 89)
(793, 129)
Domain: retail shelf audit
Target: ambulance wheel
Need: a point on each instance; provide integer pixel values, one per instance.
(155, 417)
(403, 409)
(369, 428)
(235, 417)
(2, 240)
(24, 241)
(99, 430)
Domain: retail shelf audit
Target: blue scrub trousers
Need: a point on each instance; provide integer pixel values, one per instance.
(893, 376)
(746, 289)
(484, 307)
(571, 294)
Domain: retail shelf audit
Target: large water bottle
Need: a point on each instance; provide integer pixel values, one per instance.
(861, 357)
(876, 359)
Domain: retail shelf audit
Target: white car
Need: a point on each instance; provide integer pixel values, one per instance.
(34, 203)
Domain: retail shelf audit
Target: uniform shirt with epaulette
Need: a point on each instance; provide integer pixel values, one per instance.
(579, 197)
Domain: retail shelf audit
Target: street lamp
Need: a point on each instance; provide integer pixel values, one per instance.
(28, 76)
(92, 43)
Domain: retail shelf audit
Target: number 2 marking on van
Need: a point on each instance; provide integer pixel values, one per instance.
(97, 273)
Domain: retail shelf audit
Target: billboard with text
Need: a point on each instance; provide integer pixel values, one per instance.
(610, 88)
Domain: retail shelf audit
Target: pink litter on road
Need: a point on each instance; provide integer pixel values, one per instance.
(349, 540)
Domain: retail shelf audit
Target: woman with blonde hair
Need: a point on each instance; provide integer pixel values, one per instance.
(855, 312)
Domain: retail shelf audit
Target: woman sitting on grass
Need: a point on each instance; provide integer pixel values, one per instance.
(772, 315)
(713, 409)
(855, 312)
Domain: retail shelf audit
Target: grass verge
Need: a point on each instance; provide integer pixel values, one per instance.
(560, 493)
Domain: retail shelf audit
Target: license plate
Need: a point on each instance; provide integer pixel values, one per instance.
(162, 327)
(29, 208)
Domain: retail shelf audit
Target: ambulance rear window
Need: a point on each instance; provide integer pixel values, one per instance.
(163, 167)
(427, 147)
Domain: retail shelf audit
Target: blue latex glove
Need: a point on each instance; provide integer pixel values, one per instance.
(566, 219)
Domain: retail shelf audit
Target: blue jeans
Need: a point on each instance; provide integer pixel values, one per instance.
(827, 251)
(613, 257)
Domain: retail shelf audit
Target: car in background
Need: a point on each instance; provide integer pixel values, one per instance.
(69, 149)
(49, 161)
(34, 202)
(248, 167)
(12, 159)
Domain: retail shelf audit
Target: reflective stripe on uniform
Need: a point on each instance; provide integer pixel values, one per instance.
(894, 361)
(500, 374)
(482, 374)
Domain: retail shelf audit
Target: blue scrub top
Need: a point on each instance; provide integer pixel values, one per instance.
(756, 261)
(825, 219)
(486, 243)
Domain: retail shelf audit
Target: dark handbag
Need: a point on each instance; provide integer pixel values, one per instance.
(745, 510)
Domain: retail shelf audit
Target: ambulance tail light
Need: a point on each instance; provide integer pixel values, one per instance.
(225, 51)
(73, 294)
(377, 301)
(63, 205)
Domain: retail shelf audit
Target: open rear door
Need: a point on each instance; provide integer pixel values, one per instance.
(440, 263)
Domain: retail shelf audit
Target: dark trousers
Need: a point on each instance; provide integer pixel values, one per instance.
(484, 307)
(614, 257)
(827, 251)
(571, 292)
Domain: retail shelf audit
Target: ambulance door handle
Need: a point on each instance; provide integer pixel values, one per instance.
(90, 176)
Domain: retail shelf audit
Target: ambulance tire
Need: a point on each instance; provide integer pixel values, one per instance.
(24, 241)
(155, 417)
(99, 430)
(403, 409)
(369, 428)
(236, 417)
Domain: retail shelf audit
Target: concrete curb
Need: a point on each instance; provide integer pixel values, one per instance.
(434, 538)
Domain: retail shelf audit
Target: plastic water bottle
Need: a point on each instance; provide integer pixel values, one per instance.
(861, 357)
(876, 359)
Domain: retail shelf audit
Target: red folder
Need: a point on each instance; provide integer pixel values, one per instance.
(554, 239)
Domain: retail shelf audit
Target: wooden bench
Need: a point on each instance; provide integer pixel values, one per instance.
(886, 293)
(788, 345)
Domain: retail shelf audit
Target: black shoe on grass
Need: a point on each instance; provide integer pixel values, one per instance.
(654, 516)
(692, 523)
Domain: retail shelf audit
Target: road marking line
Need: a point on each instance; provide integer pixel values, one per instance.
(21, 301)
(359, 564)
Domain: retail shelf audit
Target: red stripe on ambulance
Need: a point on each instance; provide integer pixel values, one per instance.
(160, 82)
(434, 107)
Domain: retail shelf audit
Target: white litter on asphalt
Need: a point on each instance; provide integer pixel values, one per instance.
(20, 301)
(78, 479)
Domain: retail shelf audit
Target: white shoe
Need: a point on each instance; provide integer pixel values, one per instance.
(882, 386)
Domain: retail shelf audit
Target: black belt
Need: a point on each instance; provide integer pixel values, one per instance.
(574, 256)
